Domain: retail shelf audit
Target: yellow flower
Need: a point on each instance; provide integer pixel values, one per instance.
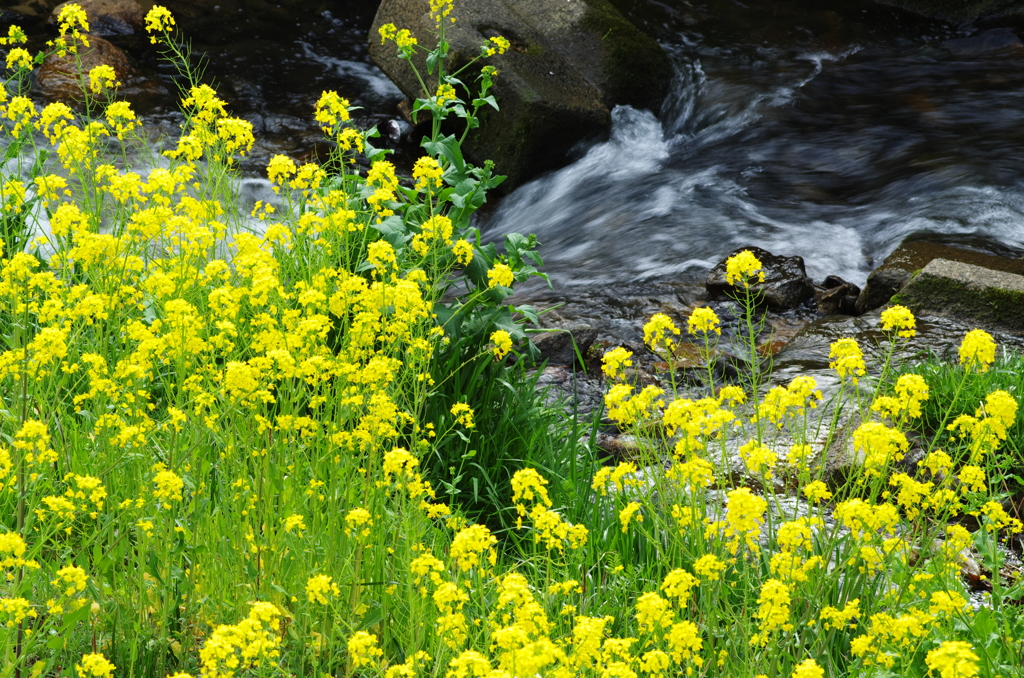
(469, 664)
(678, 583)
(445, 92)
(121, 118)
(463, 414)
(168, 486)
(614, 476)
(73, 578)
(684, 641)
(972, 478)
(899, 318)
(94, 665)
(742, 519)
(773, 610)
(947, 602)
(625, 410)
(15, 36)
(319, 587)
(71, 20)
(808, 668)
(615, 361)
(880, 445)
(463, 251)
(496, 45)
(703, 320)
(953, 659)
(439, 9)
(500, 275)
(470, 544)
(998, 519)
(387, 32)
(837, 619)
(653, 612)
(502, 341)
(19, 57)
(758, 459)
(158, 20)
(627, 514)
(358, 520)
(102, 77)
(427, 173)
(331, 110)
(977, 350)
(742, 267)
(710, 566)
(657, 332)
(529, 485)
(848, 359)
(362, 648)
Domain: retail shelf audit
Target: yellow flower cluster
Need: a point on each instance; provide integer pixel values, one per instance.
(658, 333)
(977, 351)
(900, 319)
(703, 320)
(742, 268)
(158, 20)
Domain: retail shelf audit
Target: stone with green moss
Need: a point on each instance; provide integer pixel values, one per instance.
(988, 298)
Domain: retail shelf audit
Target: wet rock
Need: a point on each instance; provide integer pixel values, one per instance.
(58, 79)
(564, 346)
(913, 255)
(32, 9)
(984, 43)
(958, 11)
(109, 17)
(785, 285)
(986, 297)
(623, 447)
(570, 62)
(837, 297)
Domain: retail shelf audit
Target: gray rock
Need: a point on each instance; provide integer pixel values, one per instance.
(560, 346)
(986, 297)
(837, 297)
(570, 62)
(913, 255)
(785, 285)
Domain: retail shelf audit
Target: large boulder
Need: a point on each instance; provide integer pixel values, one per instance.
(58, 78)
(912, 256)
(985, 297)
(570, 62)
(785, 285)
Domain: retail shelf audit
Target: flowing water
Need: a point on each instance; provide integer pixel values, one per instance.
(829, 133)
(832, 133)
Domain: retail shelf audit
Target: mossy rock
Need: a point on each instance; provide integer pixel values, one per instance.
(990, 299)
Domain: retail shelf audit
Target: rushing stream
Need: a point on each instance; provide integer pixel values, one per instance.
(829, 133)
(833, 134)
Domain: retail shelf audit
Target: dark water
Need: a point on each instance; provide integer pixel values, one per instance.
(829, 133)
